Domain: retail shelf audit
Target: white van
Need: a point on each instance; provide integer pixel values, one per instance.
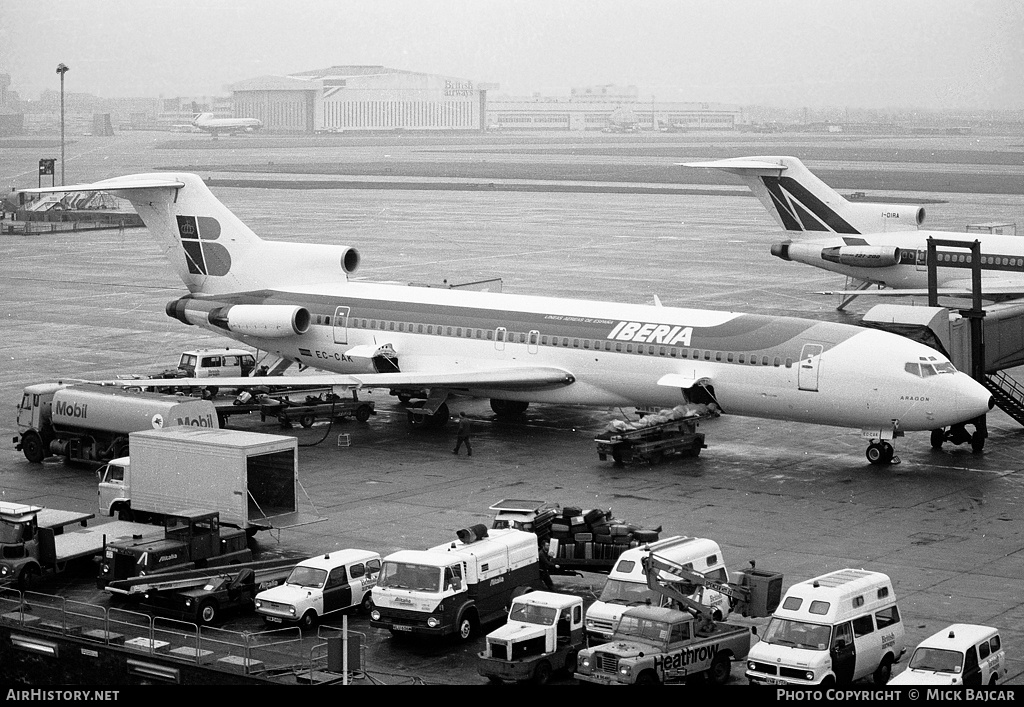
(961, 654)
(216, 363)
(626, 585)
(833, 629)
(320, 586)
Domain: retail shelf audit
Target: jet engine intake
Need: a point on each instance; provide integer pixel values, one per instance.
(863, 256)
(270, 321)
(889, 217)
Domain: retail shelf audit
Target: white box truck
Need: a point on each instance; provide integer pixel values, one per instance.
(457, 587)
(250, 478)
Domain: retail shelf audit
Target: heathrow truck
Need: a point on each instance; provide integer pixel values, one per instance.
(250, 478)
(87, 422)
(457, 587)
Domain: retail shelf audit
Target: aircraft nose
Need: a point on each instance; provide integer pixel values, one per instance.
(973, 399)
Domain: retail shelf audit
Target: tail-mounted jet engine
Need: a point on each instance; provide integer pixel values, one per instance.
(863, 256)
(269, 321)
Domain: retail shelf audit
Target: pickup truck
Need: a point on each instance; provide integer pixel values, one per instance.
(659, 645)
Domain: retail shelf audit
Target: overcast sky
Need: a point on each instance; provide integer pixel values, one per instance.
(931, 54)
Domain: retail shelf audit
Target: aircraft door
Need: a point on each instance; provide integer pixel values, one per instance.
(499, 338)
(922, 260)
(810, 358)
(341, 325)
(533, 341)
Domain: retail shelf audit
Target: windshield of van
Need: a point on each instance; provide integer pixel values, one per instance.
(629, 593)
(799, 634)
(403, 575)
(936, 659)
(307, 577)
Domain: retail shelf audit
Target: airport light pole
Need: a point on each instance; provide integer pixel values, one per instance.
(62, 69)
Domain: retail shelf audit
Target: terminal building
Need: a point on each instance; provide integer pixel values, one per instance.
(377, 98)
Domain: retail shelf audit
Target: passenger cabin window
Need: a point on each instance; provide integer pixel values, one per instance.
(356, 570)
(792, 603)
(983, 650)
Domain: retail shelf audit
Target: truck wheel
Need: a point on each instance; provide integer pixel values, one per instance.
(571, 662)
(28, 578)
(366, 606)
(32, 446)
(363, 413)
(307, 419)
(284, 421)
(467, 628)
(207, 612)
(720, 669)
(696, 447)
(542, 673)
(647, 677)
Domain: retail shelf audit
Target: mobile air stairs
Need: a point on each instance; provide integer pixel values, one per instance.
(1008, 393)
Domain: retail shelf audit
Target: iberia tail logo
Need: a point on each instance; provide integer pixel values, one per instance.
(202, 255)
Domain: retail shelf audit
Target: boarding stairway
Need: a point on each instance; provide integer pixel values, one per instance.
(1008, 394)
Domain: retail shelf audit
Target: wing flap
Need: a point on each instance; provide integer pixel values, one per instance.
(508, 378)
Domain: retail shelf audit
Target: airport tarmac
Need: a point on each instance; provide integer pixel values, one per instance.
(798, 499)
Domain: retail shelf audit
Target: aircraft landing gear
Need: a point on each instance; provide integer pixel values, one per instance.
(958, 434)
(880, 453)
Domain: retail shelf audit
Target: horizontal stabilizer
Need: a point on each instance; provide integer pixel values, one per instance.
(134, 181)
(739, 164)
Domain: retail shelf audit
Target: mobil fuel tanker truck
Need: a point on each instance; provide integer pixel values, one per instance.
(86, 422)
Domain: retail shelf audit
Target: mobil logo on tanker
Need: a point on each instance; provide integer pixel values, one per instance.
(63, 408)
(196, 421)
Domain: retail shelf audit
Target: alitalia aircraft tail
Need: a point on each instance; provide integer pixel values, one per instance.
(799, 201)
(209, 247)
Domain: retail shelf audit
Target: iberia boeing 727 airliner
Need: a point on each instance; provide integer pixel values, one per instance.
(297, 301)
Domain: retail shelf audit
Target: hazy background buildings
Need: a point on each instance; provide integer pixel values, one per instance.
(329, 65)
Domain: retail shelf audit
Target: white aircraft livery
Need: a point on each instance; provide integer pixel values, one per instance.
(874, 244)
(299, 302)
(211, 124)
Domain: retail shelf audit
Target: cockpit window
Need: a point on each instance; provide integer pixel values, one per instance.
(930, 366)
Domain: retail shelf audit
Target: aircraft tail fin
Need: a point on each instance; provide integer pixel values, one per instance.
(211, 249)
(799, 201)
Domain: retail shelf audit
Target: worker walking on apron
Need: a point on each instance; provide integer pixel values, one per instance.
(463, 435)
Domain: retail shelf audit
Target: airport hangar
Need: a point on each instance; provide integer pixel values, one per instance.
(377, 98)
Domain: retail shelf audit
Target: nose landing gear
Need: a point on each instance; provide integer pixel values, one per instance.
(880, 452)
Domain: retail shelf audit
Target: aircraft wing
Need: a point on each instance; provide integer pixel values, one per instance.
(1004, 288)
(507, 378)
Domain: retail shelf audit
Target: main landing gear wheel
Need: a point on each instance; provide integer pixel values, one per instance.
(508, 408)
(881, 453)
(938, 437)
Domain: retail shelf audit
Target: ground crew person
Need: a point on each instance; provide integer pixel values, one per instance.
(463, 435)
